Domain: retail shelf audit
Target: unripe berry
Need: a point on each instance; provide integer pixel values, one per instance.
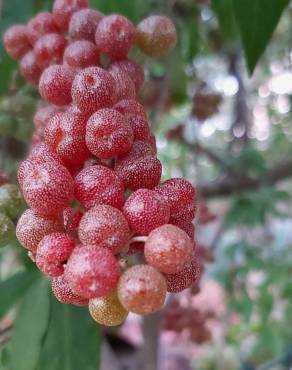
(63, 10)
(142, 289)
(16, 42)
(108, 310)
(29, 69)
(7, 230)
(11, 202)
(42, 24)
(64, 294)
(132, 68)
(83, 24)
(183, 279)
(81, 54)
(49, 50)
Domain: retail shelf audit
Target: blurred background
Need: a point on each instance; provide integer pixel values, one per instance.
(220, 106)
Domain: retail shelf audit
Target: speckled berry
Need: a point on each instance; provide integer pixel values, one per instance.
(130, 108)
(83, 24)
(142, 289)
(7, 230)
(81, 54)
(40, 25)
(16, 42)
(44, 114)
(11, 201)
(182, 280)
(29, 69)
(124, 84)
(64, 9)
(92, 271)
(71, 219)
(132, 68)
(64, 294)
(49, 50)
(104, 226)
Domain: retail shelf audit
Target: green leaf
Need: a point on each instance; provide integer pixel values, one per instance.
(73, 340)
(257, 20)
(30, 327)
(225, 15)
(12, 289)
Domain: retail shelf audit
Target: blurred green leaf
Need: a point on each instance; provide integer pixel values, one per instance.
(257, 20)
(225, 14)
(30, 327)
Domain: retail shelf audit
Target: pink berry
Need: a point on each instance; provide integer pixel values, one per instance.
(168, 248)
(48, 188)
(29, 68)
(108, 134)
(42, 24)
(44, 114)
(71, 219)
(93, 88)
(83, 24)
(145, 210)
(92, 271)
(64, 294)
(104, 226)
(130, 108)
(81, 54)
(49, 49)
(99, 185)
(115, 35)
(132, 68)
(16, 42)
(125, 86)
(53, 252)
(31, 228)
(182, 280)
(55, 84)
(64, 9)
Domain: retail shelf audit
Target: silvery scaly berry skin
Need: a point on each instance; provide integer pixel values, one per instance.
(63, 10)
(42, 24)
(83, 24)
(64, 294)
(16, 41)
(29, 68)
(81, 54)
(132, 68)
(49, 50)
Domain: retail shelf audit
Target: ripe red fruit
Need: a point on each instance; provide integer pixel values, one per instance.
(63, 10)
(64, 294)
(53, 252)
(168, 248)
(65, 134)
(104, 226)
(182, 280)
(44, 114)
(125, 86)
(29, 69)
(81, 54)
(108, 134)
(131, 108)
(92, 271)
(185, 225)
(42, 24)
(55, 84)
(48, 188)
(16, 42)
(145, 210)
(115, 35)
(83, 24)
(71, 219)
(140, 127)
(93, 88)
(142, 289)
(99, 185)
(31, 228)
(49, 49)
(132, 68)
(156, 35)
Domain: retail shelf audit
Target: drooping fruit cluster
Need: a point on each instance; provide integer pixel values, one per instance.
(92, 179)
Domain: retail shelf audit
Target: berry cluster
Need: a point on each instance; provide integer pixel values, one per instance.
(92, 179)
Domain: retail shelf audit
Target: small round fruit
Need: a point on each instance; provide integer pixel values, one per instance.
(63, 10)
(55, 84)
(40, 25)
(130, 108)
(53, 252)
(11, 201)
(168, 248)
(108, 310)
(44, 114)
(104, 226)
(64, 294)
(29, 68)
(145, 210)
(49, 49)
(16, 42)
(83, 24)
(125, 86)
(142, 289)
(108, 134)
(182, 280)
(156, 36)
(31, 228)
(81, 54)
(7, 230)
(132, 68)
(92, 271)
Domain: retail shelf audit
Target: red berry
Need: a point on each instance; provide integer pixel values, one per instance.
(81, 54)
(92, 271)
(104, 226)
(125, 85)
(31, 228)
(108, 134)
(145, 210)
(53, 252)
(48, 188)
(29, 68)
(132, 68)
(83, 24)
(65, 134)
(71, 219)
(64, 9)
(185, 225)
(115, 35)
(55, 84)
(156, 35)
(142, 289)
(168, 248)
(99, 185)
(64, 294)
(182, 280)
(92, 89)
(140, 128)
(49, 49)
(42, 24)
(130, 108)
(16, 42)
(44, 114)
